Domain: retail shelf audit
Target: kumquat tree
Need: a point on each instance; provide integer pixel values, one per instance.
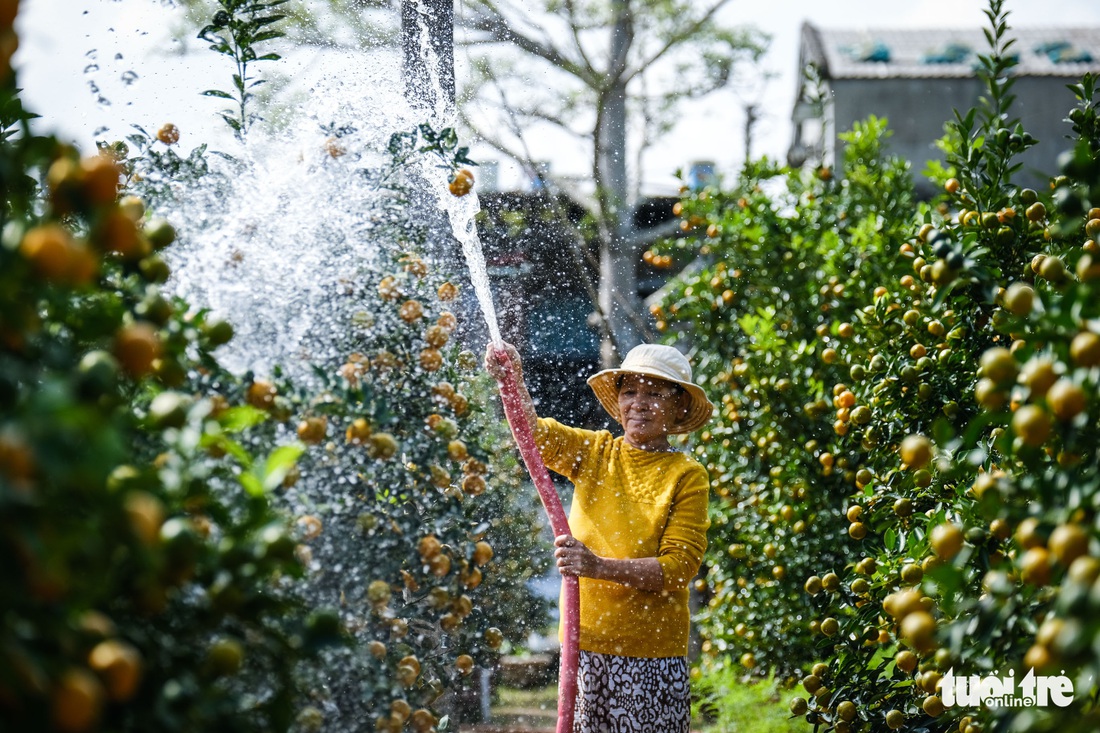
(906, 453)
(196, 548)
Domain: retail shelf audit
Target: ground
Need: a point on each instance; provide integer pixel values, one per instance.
(521, 711)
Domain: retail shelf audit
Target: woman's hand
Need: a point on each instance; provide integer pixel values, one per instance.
(496, 356)
(574, 558)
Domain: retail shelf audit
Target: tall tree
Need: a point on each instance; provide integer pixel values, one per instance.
(612, 74)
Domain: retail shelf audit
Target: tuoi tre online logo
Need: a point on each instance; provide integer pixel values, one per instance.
(993, 692)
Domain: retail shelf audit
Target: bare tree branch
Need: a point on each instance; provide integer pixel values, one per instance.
(605, 71)
(678, 38)
(491, 140)
(535, 114)
(491, 22)
(574, 27)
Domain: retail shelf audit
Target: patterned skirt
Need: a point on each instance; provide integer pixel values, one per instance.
(632, 695)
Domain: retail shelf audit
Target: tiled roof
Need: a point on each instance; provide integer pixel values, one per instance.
(930, 53)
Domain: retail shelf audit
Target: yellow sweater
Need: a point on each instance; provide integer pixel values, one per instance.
(631, 503)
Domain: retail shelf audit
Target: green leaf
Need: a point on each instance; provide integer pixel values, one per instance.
(279, 463)
(251, 484)
(401, 143)
(232, 122)
(236, 419)
(217, 93)
(260, 22)
(208, 34)
(230, 446)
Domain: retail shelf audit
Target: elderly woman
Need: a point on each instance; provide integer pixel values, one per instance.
(639, 522)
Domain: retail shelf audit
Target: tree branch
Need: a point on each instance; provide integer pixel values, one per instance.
(488, 20)
(678, 38)
(574, 27)
(535, 114)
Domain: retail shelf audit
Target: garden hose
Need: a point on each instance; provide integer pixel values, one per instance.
(559, 524)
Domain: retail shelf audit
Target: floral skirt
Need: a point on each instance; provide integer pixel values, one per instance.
(632, 695)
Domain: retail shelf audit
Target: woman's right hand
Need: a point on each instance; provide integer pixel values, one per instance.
(497, 355)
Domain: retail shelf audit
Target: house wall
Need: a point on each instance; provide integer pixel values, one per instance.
(918, 108)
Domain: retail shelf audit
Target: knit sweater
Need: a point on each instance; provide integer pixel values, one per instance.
(632, 503)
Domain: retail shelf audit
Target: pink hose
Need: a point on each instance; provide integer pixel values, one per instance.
(570, 611)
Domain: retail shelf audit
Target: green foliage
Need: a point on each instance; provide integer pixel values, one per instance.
(236, 31)
(780, 271)
(149, 588)
(430, 490)
(406, 145)
(150, 166)
(962, 360)
(724, 701)
(197, 549)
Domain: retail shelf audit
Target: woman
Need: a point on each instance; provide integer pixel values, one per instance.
(639, 522)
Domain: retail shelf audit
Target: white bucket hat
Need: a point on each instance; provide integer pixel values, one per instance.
(661, 362)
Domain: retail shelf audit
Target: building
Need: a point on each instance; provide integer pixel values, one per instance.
(917, 78)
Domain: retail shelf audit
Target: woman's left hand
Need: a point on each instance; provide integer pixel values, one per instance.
(573, 558)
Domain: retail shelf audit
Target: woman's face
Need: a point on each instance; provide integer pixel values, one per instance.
(650, 409)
